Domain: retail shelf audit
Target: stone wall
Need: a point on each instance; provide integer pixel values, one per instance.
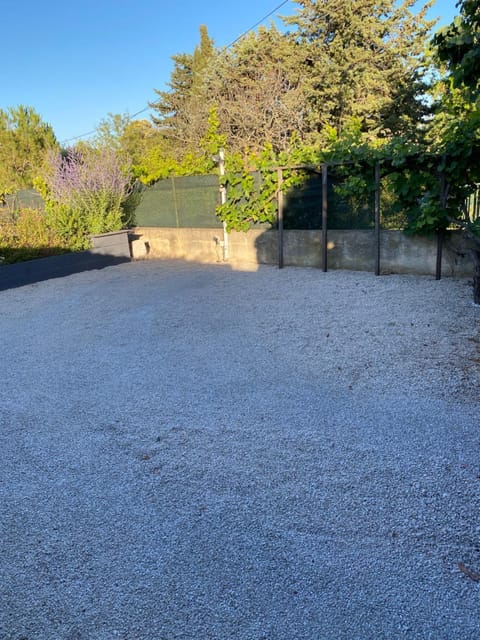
(352, 250)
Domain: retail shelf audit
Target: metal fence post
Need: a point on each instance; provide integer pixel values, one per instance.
(440, 232)
(280, 217)
(175, 203)
(324, 216)
(377, 219)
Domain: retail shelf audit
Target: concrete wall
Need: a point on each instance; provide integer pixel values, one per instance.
(353, 250)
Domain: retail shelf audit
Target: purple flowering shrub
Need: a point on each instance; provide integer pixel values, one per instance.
(86, 191)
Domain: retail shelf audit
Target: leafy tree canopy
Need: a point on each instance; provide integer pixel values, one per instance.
(339, 59)
(458, 46)
(24, 141)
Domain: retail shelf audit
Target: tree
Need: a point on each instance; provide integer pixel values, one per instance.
(111, 130)
(256, 88)
(24, 141)
(458, 47)
(138, 137)
(181, 113)
(132, 140)
(458, 127)
(159, 162)
(201, 58)
(342, 59)
(365, 60)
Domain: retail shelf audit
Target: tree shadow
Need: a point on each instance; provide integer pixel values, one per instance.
(20, 274)
(303, 216)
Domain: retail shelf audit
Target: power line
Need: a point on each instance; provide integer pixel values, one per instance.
(89, 133)
(255, 25)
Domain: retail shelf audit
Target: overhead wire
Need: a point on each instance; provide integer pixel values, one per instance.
(257, 24)
(242, 35)
(89, 133)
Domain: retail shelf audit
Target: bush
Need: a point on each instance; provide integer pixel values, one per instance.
(26, 235)
(85, 192)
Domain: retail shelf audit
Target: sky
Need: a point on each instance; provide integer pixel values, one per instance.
(76, 62)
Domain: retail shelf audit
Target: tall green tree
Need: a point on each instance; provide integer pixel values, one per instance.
(201, 58)
(256, 87)
(24, 140)
(366, 60)
(181, 112)
(138, 137)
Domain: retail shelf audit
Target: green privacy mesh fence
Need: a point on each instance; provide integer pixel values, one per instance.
(23, 199)
(303, 207)
(180, 202)
(191, 201)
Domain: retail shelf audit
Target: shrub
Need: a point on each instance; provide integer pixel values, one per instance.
(85, 192)
(26, 235)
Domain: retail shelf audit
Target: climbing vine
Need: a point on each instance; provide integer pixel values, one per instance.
(252, 185)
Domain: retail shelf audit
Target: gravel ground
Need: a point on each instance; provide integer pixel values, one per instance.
(191, 452)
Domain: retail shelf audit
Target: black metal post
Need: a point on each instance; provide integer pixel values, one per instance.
(438, 267)
(440, 232)
(280, 217)
(377, 219)
(324, 216)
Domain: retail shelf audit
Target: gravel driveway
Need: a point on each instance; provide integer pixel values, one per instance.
(191, 452)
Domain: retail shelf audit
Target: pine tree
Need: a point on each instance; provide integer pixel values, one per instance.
(365, 61)
(202, 55)
(171, 103)
(181, 112)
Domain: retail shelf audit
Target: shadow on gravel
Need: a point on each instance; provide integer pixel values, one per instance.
(20, 274)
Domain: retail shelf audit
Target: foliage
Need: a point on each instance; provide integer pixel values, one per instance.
(84, 193)
(256, 86)
(252, 185)
(423, 187)
(365, 60)
(111, 130)
(159, 163)
(457, 127)
(136, 141)
(24, 141)
(27, 235)
(339, 60)
(182, 112)
(130, 139)
(458, 46)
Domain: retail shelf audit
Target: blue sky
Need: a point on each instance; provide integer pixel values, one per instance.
(76, 62)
